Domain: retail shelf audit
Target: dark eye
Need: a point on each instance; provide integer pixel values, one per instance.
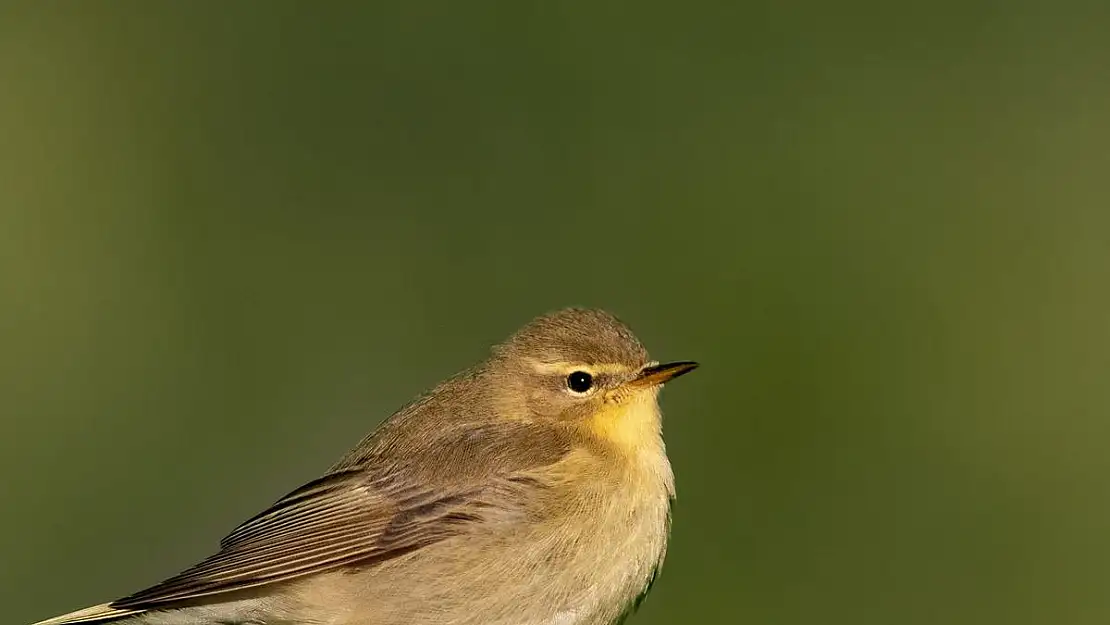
(580, 381)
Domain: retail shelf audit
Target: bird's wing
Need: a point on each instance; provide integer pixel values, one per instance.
(339, 520)
(351, 517)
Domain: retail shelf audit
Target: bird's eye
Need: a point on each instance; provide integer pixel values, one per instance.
(580, 381)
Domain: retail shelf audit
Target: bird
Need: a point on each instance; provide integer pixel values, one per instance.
(533, 488)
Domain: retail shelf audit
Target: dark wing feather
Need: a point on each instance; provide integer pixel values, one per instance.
(340, 520)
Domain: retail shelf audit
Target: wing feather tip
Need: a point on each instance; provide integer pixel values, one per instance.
(95, 614)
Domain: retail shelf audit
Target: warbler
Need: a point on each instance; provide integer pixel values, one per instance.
(531, 489)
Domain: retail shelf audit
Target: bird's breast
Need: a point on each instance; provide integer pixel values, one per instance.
(610, 535)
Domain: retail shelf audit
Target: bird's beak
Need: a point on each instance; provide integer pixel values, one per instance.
(655, 375)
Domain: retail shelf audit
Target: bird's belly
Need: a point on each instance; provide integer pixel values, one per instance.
(593, 578)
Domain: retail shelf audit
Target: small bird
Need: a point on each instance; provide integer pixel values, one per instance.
(531, 489)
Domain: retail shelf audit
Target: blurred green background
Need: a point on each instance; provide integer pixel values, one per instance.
(235, 236)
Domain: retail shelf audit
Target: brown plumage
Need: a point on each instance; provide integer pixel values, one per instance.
(532, 489)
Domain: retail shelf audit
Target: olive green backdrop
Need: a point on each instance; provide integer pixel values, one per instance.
(235, 236)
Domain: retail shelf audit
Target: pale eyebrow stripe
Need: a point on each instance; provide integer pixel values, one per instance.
(567, 367)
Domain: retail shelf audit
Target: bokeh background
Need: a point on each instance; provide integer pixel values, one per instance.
(235, 236)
